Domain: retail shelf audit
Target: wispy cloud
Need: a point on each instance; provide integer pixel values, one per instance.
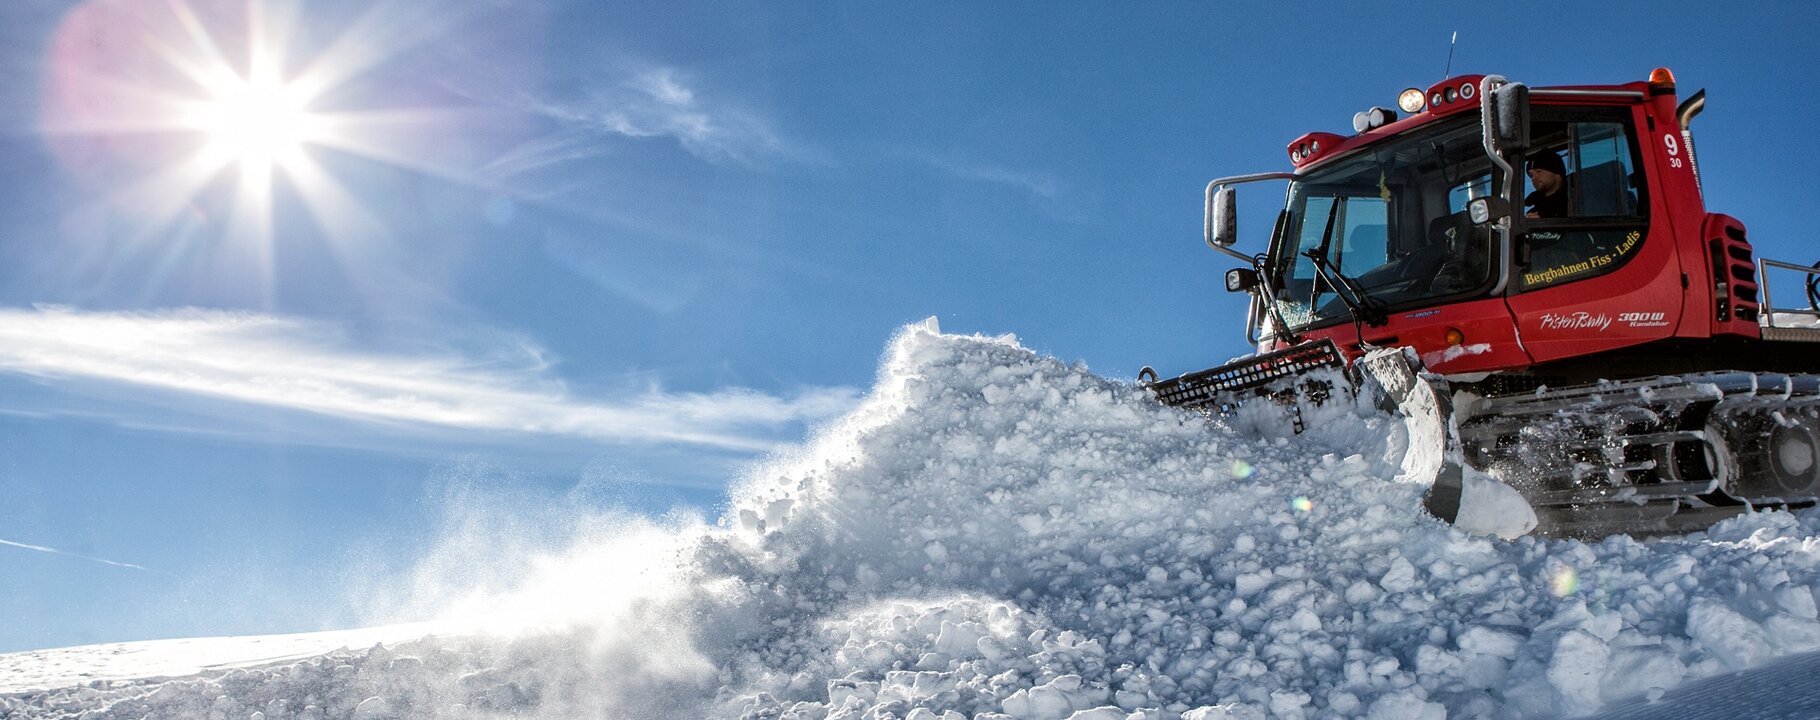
(1037, 184)
(649, 102)
(566, 145)
(300, 365)
(661, 102)
(65, 553)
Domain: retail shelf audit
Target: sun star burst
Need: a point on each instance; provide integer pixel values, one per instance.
(257, 122)
(158, 103)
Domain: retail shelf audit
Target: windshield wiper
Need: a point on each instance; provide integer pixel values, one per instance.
(1357, 301)
(1350, 293)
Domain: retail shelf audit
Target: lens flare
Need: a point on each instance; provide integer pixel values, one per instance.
(1242, 470)
(1563, 581)
(1302, 504)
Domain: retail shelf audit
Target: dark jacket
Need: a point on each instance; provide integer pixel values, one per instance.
(1549, 206)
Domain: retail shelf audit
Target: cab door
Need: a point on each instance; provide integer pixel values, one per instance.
(1593, 280)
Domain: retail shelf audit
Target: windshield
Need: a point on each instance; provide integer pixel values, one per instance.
(1393, 220)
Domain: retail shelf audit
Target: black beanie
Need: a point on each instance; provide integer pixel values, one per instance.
(1547, 160)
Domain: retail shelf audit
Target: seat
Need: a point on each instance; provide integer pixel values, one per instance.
(1602, 192)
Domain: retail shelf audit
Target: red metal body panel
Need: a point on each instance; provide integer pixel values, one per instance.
(1453, 95)
(1676, 203)
(1317, 145)
(1635, 304)
(1490, 341)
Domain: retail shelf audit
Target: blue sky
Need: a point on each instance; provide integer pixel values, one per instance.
(559, 257)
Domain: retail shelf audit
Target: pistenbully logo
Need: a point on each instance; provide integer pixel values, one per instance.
(1576, 321)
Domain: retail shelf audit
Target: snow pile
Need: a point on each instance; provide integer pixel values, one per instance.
(995, 535)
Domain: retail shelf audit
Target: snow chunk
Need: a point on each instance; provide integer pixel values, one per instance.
(1231, 711)
(1400, 578)
(373, 708)
(1405, 706)
(1489, 507)
(1576, 670)
(1480, 640)
(1732, 638)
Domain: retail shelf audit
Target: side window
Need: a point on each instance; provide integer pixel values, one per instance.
(1585, 205)
(1600, 161)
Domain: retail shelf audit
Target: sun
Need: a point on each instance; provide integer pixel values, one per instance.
(257, 122)
(250, 115)
(226, 121)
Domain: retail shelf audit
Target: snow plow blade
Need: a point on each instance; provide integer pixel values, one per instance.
(1425, 406)
(1391, 379)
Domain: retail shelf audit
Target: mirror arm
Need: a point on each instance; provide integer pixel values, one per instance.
(1207, 210)
(1232, 252)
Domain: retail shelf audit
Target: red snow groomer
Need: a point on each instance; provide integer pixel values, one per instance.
(1534, 277)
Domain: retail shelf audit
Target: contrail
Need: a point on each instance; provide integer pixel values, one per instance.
(55, 551)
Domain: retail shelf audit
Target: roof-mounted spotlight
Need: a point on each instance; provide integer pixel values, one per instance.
(1372, 119)
(1411, 100)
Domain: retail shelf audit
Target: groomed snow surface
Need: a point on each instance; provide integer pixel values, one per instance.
(998, 535)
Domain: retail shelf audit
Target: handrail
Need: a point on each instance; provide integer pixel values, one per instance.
(1769, 308)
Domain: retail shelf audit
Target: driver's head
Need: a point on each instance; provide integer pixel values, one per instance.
(1546, 172)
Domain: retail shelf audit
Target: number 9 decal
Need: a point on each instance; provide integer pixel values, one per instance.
(1674, 147)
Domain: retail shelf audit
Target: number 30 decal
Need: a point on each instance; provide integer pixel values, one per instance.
(1674, 150)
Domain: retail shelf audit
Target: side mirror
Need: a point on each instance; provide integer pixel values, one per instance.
(1510, 106)
(1241, 279)
(1223, 218)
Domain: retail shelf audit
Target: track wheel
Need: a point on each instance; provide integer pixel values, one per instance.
(1778, 459)
(1695, 460)
(1793, 461)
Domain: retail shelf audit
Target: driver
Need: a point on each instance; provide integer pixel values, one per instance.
(1549, 178)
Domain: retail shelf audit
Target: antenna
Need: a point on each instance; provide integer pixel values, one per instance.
(1450, 44)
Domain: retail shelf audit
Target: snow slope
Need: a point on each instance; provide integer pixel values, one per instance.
(995, 535)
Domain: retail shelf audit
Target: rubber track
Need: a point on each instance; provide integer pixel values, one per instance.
(1637, 456)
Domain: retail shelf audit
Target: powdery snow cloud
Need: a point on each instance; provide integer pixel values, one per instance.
(300, 365)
